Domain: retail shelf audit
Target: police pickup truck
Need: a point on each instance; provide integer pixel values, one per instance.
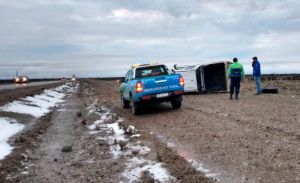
(151, 84)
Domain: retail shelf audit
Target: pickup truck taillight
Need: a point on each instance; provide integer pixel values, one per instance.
(139, 87)
(181, 81)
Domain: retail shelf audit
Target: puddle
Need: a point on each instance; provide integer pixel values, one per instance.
(188, 157)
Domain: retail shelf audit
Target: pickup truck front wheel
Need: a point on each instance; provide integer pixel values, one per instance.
(135, 108)
(176, 103)
(125, 103)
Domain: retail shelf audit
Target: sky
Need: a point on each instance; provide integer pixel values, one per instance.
(103, 38)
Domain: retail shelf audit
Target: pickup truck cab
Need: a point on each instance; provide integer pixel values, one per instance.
(151, 84)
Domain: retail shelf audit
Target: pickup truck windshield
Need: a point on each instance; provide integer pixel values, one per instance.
(150, 71)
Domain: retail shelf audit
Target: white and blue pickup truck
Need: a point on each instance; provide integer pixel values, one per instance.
(151, 84)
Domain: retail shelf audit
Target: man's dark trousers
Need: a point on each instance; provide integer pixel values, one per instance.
(235, 85)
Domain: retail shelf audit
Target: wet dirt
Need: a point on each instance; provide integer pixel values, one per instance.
(254, 139)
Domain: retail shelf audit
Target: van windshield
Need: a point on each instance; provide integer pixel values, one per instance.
(150, 71)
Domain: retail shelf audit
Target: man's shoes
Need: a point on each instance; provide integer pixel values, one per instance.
(230, 98)
(236, 98)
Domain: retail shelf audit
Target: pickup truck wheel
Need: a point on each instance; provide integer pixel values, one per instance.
(125, 103)
(176, 104)
(134, 108)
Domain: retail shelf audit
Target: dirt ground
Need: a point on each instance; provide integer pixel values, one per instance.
(254, 139)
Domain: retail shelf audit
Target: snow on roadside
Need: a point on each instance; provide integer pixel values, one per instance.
(39, 105)
(136, 166)
(8, 128)
(200, 167)
(36, 106)
(23, 107)
(119, 140)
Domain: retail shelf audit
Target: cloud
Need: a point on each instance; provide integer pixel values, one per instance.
(102, 38)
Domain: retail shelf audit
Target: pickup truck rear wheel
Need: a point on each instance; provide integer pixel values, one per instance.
(125, 103)
(134, 108)
(176, 103)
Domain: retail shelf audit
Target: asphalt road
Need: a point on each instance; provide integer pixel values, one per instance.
(17, 86)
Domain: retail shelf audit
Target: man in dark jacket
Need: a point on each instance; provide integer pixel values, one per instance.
(236, 73)
(256, 74)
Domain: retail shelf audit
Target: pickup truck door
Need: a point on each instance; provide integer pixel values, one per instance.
(126, 85)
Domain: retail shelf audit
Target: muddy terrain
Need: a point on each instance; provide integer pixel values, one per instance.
(91, 138)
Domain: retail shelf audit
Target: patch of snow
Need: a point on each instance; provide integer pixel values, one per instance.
(115, 150)
(92, 107)
(91, 161)
(65, 110)
(103, 117)
(115, 135)
(200, 167)
(131, 130)
(8, 128)
(54, 94)
(25, 173)
(131, 127)
(94, 132)
(21, 107)
(170, 144)
(118, 132)
(140, 149)
(38, 105)
(136, 166)
(135, 135)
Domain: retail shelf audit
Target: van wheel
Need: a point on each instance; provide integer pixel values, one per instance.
(176, 104)
(134, 108)
(125, 103)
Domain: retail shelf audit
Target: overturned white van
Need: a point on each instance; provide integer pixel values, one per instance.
(206, 78)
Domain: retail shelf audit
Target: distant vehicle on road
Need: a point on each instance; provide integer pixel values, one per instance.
(21, 79)
(151, 83)
(73, 78)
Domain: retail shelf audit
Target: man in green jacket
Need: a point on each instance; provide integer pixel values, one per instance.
(236, 73)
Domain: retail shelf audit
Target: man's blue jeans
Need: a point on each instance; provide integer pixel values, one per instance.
(257, 82)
